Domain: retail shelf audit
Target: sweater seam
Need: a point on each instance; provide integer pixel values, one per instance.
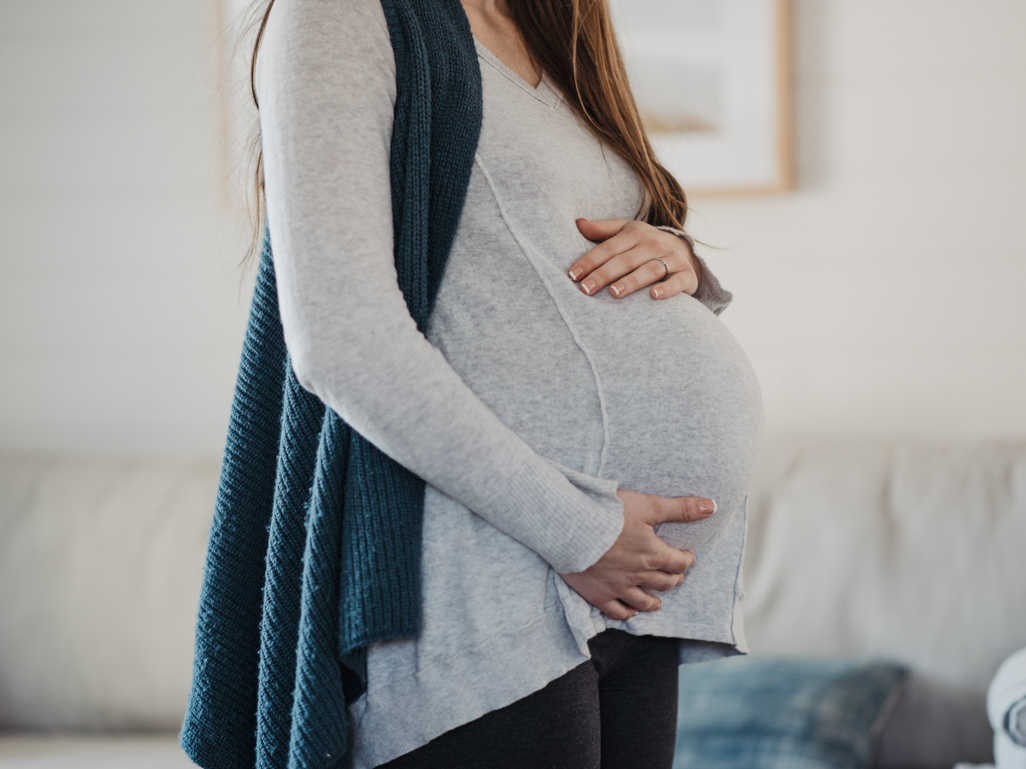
(737, 576)
(526, 251)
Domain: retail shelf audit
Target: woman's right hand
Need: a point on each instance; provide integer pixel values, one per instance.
(639, 558)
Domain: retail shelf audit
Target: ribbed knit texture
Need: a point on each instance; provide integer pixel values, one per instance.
(315, 544)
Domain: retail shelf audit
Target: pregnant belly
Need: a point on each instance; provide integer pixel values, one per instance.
(683, 407)
(657, 396)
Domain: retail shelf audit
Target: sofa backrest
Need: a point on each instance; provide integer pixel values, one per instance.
(910, 552)
(100, 568)
(916, 553)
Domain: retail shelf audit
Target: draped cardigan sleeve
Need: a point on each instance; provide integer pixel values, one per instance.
(326, 85)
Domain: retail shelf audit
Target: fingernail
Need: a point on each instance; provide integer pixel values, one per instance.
(635, 614)
(588, 286)
(617, 289)
(707, 507)
(574, 273)
(657, 292)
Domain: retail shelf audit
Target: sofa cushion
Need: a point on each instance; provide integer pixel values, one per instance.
(100, 568)
(777, 713)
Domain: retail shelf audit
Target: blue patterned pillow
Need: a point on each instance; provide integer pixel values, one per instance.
(772, 713)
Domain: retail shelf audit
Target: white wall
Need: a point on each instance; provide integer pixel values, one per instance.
(886, 294)
(120, 311)
(883, 296)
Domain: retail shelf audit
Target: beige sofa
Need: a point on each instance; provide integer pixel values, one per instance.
(911, 552)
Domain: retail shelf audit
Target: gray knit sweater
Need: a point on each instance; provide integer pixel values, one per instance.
(528, 403)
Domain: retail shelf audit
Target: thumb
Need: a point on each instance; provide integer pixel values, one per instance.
(683, 509)
(600, 230)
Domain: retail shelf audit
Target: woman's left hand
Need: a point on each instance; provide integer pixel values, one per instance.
(628, 259)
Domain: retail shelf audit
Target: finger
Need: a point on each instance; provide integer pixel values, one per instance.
(669, 560)
(622, 241)
(638, 599)
(627, 252)
(649, 261)
(651, 271)
(681, 277)
(660, 580)
(681, 509)
(599, 230)
(617, 610)
(678, 283)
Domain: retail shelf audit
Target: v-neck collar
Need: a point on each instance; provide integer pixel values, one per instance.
(545, 92)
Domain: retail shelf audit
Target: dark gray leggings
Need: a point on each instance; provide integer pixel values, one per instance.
(618, 710)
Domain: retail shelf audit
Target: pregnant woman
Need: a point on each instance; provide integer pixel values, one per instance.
(586, 426)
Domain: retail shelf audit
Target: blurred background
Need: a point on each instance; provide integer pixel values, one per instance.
(880, 301)
(881, 296)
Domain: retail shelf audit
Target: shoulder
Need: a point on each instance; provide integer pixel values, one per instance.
(332, 42)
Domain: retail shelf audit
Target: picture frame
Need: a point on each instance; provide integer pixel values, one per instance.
(712, 79)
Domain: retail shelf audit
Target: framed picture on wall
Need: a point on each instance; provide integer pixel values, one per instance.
(711, 78)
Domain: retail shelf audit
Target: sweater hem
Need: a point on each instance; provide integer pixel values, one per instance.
(405, 715)
(409, 713)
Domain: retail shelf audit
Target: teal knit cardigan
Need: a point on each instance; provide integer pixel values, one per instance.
(315, 545)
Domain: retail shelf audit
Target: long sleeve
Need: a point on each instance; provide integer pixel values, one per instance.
(326, 83)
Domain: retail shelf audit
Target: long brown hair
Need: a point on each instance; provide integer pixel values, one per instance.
(574, 42)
